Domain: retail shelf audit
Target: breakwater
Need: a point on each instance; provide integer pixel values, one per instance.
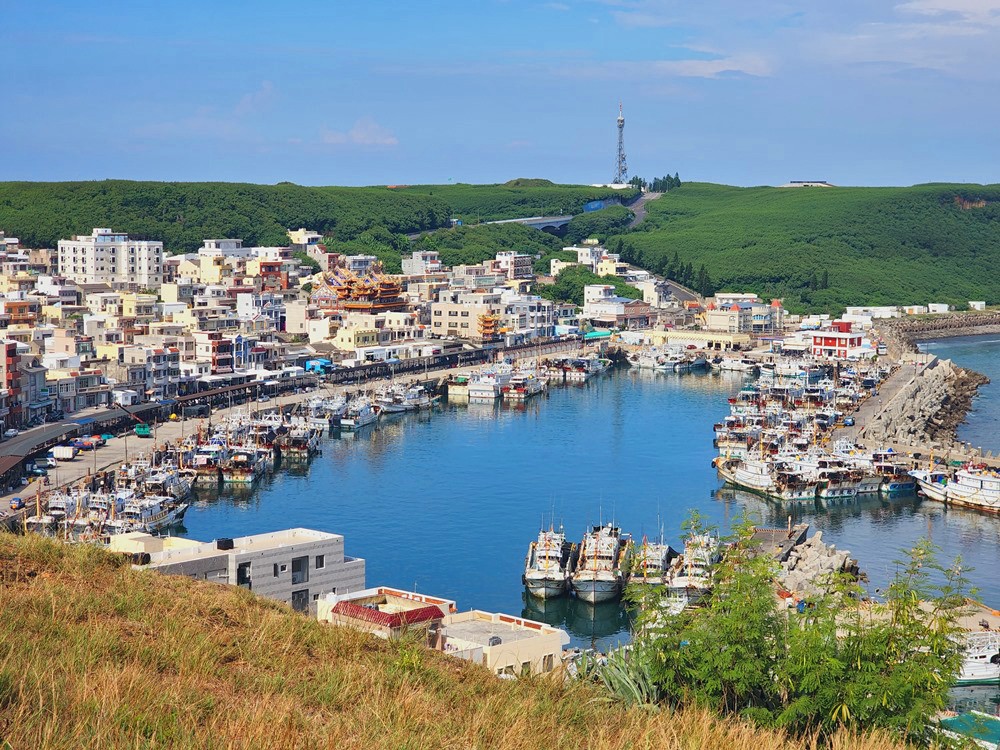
(926, 410)
(905, 332)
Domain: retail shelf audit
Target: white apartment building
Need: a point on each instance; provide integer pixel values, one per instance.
(107, 257)
(422, 262)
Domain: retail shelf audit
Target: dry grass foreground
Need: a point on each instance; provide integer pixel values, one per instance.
(96, 655)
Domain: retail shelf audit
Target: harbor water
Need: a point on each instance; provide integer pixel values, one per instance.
(447, 502)
(982, 354)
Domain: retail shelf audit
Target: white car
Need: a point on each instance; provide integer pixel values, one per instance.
(11, 433)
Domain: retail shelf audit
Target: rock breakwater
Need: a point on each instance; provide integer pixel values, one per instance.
(812, 565)
(928, 408)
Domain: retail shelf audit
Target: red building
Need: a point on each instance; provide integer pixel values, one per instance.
(836, 342)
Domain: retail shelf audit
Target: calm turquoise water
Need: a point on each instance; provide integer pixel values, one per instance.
(982, 354)
(447, 503)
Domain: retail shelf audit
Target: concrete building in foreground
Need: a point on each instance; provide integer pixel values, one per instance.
(508, 646)
(295, 566)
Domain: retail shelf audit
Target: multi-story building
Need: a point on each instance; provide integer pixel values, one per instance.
(217, 350)
(421, 263)
(161, 369)
(73, 390)
(10, 381)
(360, 264)
(36, 400)
(515, 265)
(604, 309)
(295, 566)
(736, 317)
(839, 341)
(112, 258)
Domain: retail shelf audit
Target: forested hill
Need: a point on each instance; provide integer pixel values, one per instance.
(822, 248)
(183, 214)
(519, 199)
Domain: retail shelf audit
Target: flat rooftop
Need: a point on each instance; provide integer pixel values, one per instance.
(480, 631)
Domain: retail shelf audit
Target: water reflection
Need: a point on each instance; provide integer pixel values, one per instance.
(597, 626)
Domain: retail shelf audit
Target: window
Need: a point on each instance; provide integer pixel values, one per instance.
(320, 562)
(300, 569)
(547, 662)
(465, 313)
(300, 600)
(243, 575)
(525, 668)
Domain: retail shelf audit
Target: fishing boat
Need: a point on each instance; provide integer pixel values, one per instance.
(774, 480)
(651, 563)
(300, 443)
(168, 481)
(691, 576)
(604, 556)
(972, 486)
(360, 412)
(487, 385)
(981, 660)
(523, 385)
(147, 514)
(245, 465)
(547, 564)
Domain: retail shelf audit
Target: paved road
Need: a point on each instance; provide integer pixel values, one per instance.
(639, 208)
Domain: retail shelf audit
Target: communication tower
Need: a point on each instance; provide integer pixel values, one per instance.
(621, 171)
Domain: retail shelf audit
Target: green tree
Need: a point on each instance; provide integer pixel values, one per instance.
(840, 663)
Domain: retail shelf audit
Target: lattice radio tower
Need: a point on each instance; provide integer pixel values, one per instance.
(621, 172)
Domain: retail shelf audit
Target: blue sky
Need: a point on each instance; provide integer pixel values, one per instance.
(745, 92)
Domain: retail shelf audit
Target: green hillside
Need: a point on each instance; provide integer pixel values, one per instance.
(516, 199)
(96, 655)
(927, 243)
(182, 214)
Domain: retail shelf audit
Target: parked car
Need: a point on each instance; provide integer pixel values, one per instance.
(16, 503)
(8, 434)
(48, 462)
(38, 471)
(265, 397)
(848, 421)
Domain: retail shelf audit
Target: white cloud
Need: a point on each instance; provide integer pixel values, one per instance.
(255, 101)
(365, 132)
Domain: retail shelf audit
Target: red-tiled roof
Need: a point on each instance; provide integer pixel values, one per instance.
(408, 617)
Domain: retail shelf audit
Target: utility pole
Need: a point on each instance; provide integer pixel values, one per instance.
(621, 170)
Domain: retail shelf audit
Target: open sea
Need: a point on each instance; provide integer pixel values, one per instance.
(447, 502)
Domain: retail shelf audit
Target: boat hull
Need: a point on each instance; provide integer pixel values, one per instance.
(545, 588)
(594, 591)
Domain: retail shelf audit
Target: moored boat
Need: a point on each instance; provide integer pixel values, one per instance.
(604, 558)
(548, 564)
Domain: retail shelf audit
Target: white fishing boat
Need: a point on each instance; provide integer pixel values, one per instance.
(360, 412)
(523, 385)
(981, 660)
(166, 480)
(487, 385)
(774, 480)
(651, 563)
(604, 555)
(972, 486)
(546, 567)
(691, 576)
(147, 514)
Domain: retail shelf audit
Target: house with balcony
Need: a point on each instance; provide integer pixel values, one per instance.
(216, 349)
(73, 389)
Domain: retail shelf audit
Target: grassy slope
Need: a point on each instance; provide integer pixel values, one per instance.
(96, 655)
(472, 203)
(880, 245)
